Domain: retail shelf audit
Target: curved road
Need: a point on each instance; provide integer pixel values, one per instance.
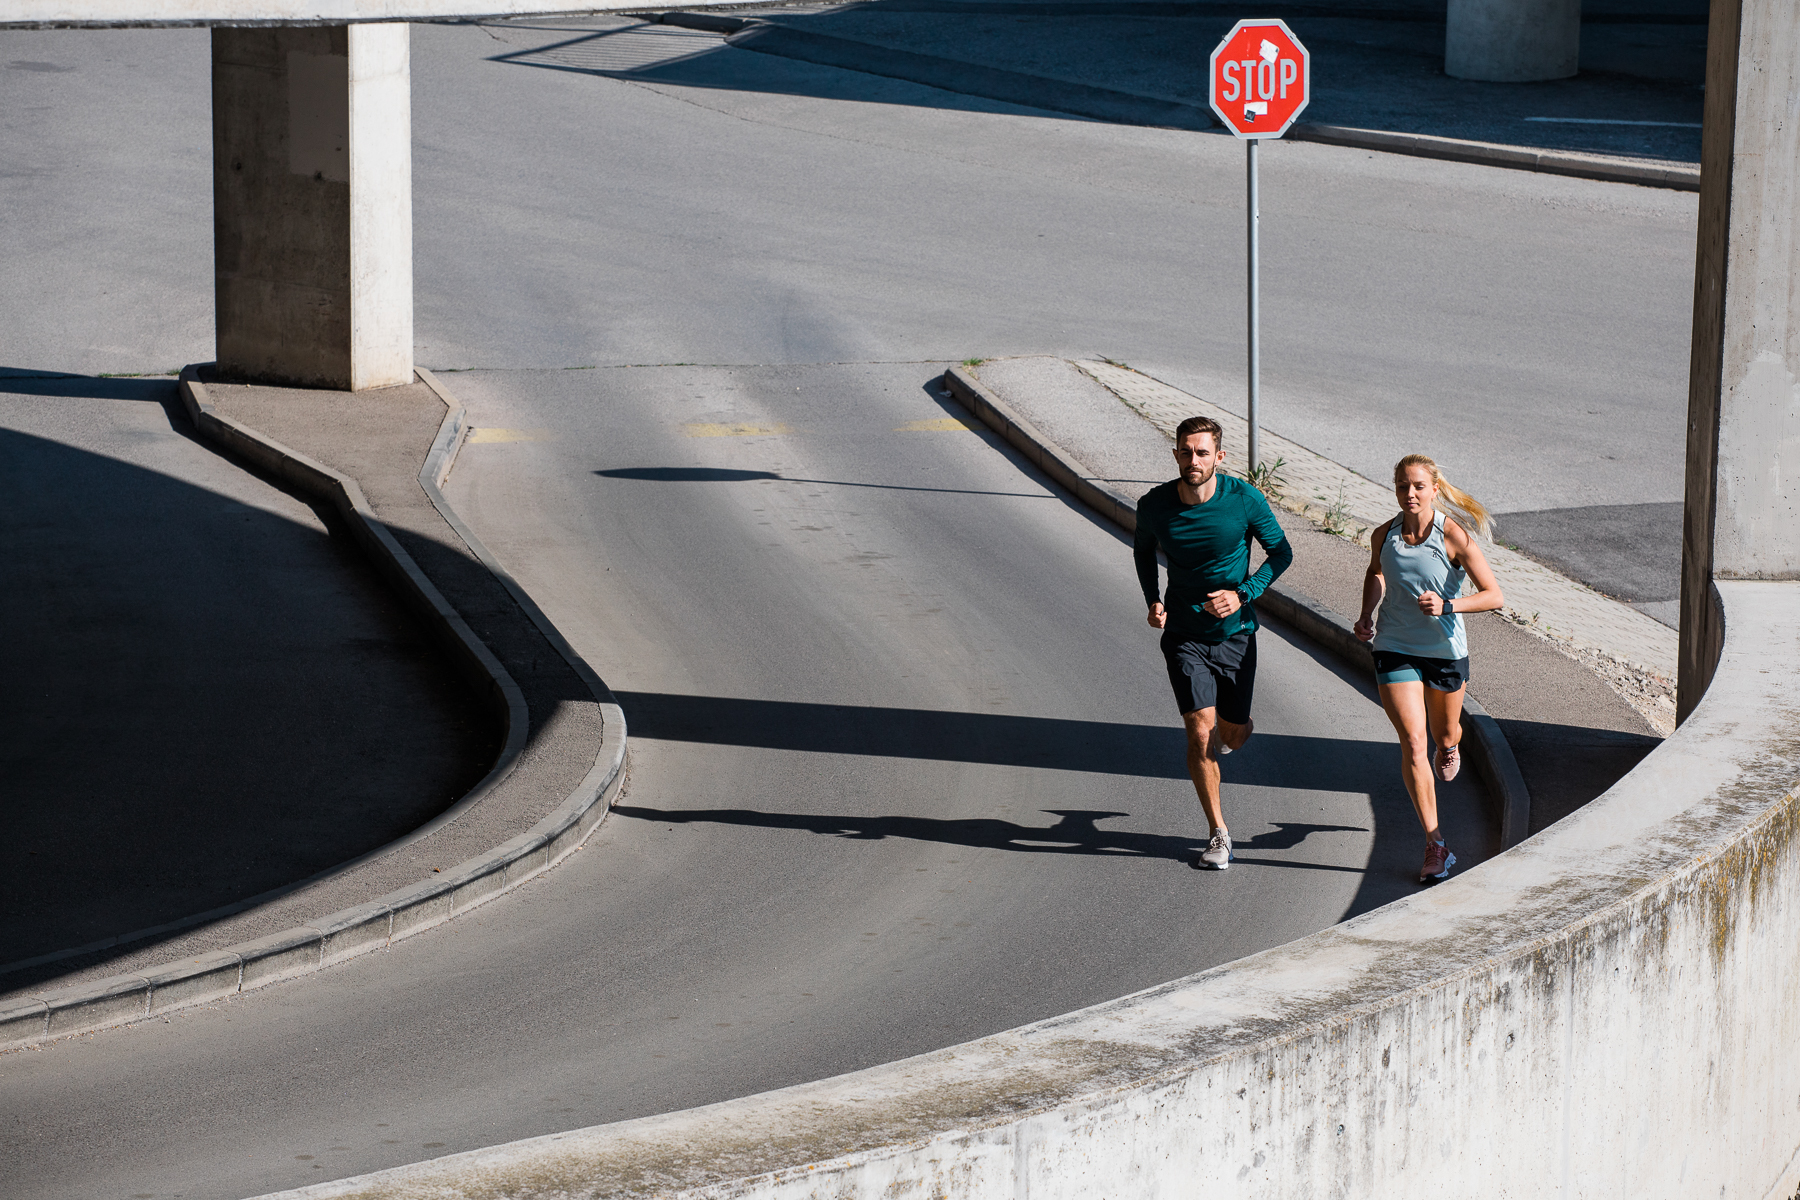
(904, 772)
(905, 769)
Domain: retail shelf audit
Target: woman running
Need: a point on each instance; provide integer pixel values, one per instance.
(1417, 565)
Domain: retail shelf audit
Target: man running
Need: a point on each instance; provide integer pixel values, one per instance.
(1203, 522)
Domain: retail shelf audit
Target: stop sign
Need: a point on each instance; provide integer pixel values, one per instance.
(1260, 79)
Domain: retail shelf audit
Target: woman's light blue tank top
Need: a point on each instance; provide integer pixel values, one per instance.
(1409, 572)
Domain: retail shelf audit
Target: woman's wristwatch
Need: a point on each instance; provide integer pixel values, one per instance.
(1449, 606)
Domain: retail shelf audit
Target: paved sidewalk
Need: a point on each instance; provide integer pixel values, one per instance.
(1635, 651)
(1572, 733)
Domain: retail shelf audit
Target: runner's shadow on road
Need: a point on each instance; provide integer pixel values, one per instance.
(1268, 760)
(1076, 832)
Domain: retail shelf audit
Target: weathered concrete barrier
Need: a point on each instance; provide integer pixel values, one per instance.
(1612, 1007)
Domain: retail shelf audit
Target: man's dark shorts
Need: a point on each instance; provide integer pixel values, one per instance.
(1221, 676)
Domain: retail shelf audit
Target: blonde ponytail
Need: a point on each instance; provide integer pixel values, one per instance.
(1460, 503)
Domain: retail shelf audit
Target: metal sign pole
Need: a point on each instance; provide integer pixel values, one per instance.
(1255, 312)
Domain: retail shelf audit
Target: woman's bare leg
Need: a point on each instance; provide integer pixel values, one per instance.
(1444, 712)
(1405, 706)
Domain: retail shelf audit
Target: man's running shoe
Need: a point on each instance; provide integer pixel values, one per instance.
(1449, 762)
(1438, 861)
(1217, 854)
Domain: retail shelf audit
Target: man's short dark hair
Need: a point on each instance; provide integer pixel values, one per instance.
(1195, 425)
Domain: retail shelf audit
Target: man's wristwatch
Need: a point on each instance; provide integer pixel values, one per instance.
(1449, 606)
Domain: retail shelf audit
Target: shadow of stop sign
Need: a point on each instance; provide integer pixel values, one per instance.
(1261, 78)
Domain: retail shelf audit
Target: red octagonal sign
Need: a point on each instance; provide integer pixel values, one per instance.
(1260, 79)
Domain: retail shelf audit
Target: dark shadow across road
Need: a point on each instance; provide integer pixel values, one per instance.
(997, 739)
(205, 700)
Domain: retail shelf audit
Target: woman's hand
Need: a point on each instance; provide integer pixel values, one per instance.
(1431, 604)
(1365, 628)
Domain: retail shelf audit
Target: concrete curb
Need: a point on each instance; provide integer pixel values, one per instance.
(1518, 158)
(1489, 752)
(1130, 108)
(379, 923)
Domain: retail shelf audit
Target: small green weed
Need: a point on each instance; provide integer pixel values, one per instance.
(1337, 517)
(1266, 478)
(1337, 513)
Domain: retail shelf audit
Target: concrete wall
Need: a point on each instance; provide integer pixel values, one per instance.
(1512, 41)
(1743, 472)
(1610, 1009)
(312, 205)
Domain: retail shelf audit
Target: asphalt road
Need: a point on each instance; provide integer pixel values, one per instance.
(905, 770)
(590, 193)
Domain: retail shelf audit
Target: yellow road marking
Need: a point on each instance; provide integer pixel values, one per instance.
(507, 435)
(935, 425)
(704, 429)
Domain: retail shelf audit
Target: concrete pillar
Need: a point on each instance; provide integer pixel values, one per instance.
(1512, 41)
(312, 204)
(1742, 517)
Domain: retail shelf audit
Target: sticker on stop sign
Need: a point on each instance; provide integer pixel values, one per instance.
(1260, 79)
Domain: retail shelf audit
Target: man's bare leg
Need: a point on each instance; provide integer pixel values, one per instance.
(1206, 737)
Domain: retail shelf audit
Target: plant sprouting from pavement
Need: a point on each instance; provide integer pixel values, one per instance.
(1266, 478)
(1337, 514)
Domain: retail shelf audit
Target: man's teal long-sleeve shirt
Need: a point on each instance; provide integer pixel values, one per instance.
(1208, 549)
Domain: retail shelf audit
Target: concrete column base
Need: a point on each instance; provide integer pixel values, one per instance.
(1743, 455)
(312, 205)
(1512, 41)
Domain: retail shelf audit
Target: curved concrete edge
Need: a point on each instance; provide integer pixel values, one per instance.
(1611, 1007)
(432, 477)
(125, 998)
(1489, 751)
(1518, 158)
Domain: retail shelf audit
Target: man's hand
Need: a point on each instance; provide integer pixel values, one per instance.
(1222, 604)
(1158, 616)
(1431, 604)
(1364, 628)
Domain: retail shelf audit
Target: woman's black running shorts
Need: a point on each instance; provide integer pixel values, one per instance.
(1439, 674)
(1221, 676)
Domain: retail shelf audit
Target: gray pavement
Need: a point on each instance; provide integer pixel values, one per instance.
(905, 771)
(575, 210)
(209, 696)
(1479, 307)
(1356, 321)
(570, 219)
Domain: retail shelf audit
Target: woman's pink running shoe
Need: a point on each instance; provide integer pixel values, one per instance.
(1449, 762)
(1438, 861)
